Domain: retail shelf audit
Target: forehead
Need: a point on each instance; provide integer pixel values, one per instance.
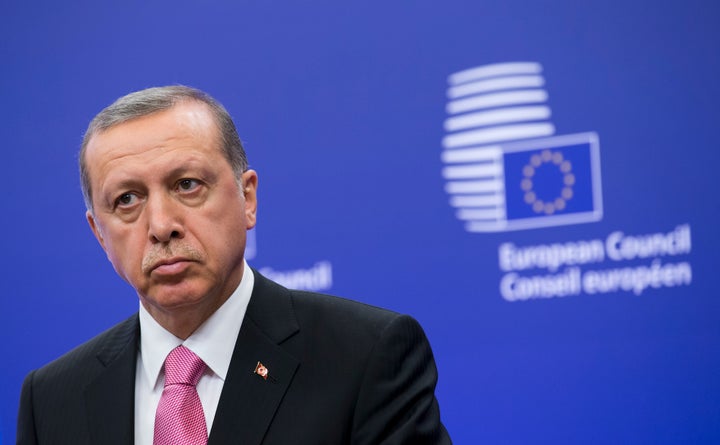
(186, 127)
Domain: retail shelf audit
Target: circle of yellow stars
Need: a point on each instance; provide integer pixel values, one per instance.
(553, 158)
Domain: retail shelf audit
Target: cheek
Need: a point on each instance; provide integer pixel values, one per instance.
(227, 212)
(226, 236)
(125, 251)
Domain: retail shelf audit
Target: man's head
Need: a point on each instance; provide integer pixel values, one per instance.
(152, 100)
(170, 200)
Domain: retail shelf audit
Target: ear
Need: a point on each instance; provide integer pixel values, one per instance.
(249, 189)
(95, 229)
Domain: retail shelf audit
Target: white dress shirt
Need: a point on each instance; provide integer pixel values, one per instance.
(213, 342)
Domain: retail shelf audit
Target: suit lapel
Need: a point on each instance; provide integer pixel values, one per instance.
(110, 397)
(248, 401)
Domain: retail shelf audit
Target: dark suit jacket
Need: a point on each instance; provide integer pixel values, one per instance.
(340, 372)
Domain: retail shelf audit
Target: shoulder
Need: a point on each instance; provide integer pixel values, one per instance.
(53, 401)
(336, 325)
(322, 314)
(341, 310)
(82, 362)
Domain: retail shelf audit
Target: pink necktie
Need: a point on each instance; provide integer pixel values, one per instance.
(179, 419)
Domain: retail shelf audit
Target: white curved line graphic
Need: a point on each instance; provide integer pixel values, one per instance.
(496, 100)
(499, 116)
(472, 171)
(498, 134)
(493, 70)
(491, 200)
(481, 214)
(473, 154)
(500, 83)
(481, 186)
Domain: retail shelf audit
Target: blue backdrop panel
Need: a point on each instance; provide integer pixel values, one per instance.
(533, 180)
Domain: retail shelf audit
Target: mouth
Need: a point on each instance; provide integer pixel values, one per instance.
(170, 266)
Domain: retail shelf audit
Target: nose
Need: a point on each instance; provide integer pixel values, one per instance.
(164, 219)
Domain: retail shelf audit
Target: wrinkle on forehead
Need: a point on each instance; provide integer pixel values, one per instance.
(145, 139)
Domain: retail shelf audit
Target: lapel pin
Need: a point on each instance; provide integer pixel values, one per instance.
(261, 370)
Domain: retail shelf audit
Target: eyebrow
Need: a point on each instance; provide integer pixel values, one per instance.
(175, 172)
(111, 191)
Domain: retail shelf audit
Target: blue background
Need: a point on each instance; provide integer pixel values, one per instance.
(341, 107)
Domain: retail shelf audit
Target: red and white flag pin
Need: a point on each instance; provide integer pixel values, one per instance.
(261, 370)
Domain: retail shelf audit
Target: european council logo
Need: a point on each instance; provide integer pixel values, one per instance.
(505, 169)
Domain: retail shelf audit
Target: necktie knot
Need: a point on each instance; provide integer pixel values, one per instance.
(183, 367)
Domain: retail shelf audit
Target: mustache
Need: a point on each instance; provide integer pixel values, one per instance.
(163, 253)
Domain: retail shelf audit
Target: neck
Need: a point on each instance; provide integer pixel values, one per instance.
(183, 321)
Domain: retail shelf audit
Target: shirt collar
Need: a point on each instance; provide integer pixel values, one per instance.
(213, 341)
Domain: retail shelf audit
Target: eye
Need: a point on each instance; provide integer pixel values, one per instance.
(126, 200)
(187, 185)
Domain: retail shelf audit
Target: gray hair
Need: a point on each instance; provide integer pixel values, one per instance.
(153, 100)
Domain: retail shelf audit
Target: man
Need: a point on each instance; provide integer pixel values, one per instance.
(170, 198)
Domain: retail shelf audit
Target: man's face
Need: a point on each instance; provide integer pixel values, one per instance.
(168, 210)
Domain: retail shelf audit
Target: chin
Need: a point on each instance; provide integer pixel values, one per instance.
(175, 297)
